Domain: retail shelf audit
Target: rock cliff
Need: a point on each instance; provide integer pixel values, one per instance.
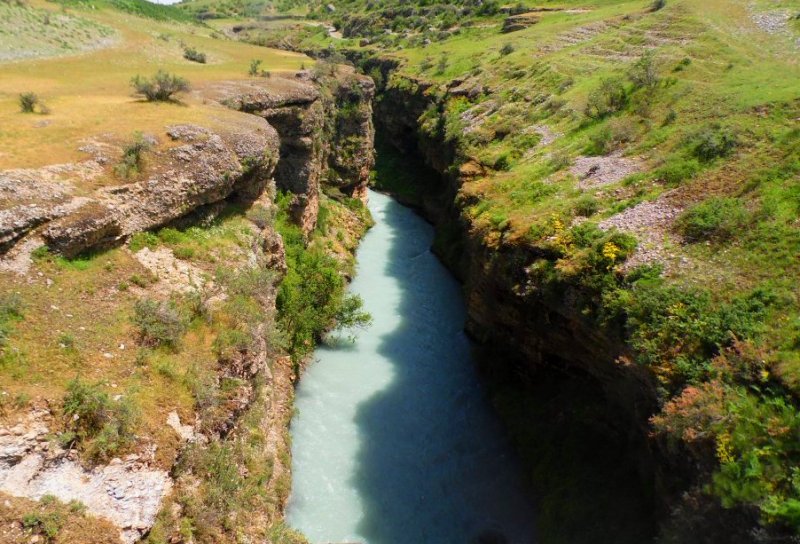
(294, 133)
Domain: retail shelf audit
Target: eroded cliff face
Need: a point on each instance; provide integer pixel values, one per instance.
(294, 134)
(324, 123)
(529, 331)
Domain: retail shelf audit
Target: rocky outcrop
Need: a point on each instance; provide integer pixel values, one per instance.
(302, 130)
(519, 22)
(198, 167)
(324, 122)
(127, 492)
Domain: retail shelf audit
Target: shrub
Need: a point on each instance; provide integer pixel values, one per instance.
(507, 49)
(713, 142)
(183, 252)
(101, 425)
(503, 162)
(312, 296)
(441, 66)
(231, 342)
(45, 525)
(714, 219)
(610, 97)
(159, 323)
(255, 67)
(161, 87)
(132, 160)
(192, 54)
(643, 73)
(682, 65)
(143, 239)
(28, 102)
(586, 206)
(658, 5)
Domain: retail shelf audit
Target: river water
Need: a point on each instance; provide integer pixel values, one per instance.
(393, 441)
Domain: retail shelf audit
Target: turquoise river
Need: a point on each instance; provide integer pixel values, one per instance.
(394, 441)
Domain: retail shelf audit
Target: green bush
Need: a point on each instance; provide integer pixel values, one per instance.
(132, 161)
(159, 323)
(713, 142)
(678, 331)
(714, 219)
(610, 97)
(192, 54)
(312, 298)
(102, 426)
(161, 87)
(586, 206)
(45, 525)
(230, 342)
(644, 72)
(141, 240)
(255, 67)
(28, 102)
(507, 49)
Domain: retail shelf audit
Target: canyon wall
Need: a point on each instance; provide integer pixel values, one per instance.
(297, 133)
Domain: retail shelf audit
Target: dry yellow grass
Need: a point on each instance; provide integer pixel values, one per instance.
(90, 95)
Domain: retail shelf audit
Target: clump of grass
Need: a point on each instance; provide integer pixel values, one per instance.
(658, 5)
(192, 54)
(100, 425)
(46, 525)
(10, 311)
(142, 240)
(714, 219)
(132, 161)
(507, 49)
(161, 87)
(159, 323)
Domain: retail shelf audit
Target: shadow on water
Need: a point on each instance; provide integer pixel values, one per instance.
(395, 441)
(434, 465)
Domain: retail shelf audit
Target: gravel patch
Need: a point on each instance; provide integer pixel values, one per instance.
(599, 171)
(650, 223)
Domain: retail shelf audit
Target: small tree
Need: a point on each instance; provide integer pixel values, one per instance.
(161, 87)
